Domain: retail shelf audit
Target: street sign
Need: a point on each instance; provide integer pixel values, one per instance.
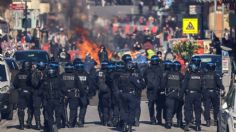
(26, 23)
(17, 6)
(194, 9)
(190, 26)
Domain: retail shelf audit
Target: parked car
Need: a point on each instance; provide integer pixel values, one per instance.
(227, 114)
(31, 55)
(6, 98)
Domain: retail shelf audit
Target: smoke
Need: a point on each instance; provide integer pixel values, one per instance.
(77, 14)
(74, 12)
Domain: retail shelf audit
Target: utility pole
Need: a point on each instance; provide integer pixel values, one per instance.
(26, 17)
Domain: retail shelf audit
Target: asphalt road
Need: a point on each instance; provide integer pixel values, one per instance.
(92, 124)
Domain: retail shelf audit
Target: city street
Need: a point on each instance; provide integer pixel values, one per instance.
(92, 124)
(173, 52)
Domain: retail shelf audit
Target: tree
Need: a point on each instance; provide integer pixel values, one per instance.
(185, 49)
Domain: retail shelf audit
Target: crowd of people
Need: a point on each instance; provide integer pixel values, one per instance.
(119, 85)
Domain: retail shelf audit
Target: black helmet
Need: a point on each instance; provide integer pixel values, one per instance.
(176, 66)
(196, 60)
(155, 60)
(69, 67)
(26, 66)
(126, 58)
(76, 61)
(211, 66)
(54, 65)
(79, 66)
(104, 65)
(41, 65)
(167, 65)
(193, 67)
(120, 66)
(111, 66)
(52, 72)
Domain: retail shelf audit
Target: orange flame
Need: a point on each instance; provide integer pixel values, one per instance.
(88, 47)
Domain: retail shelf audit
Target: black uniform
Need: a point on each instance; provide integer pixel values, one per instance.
(212, 84)
(87, 90)
(115, 97)
(173, 84)
(137, 74)
(72, 85)
(104, 105)
(192, 87)
(153, 76)
(128, 86)
(53, 95)
(23, 85)
(36, 80)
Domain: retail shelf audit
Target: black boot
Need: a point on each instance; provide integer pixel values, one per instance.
(186, 128)
(215, 122)
(198, 128)
(29, 121)
(208, 123)
(130, 128)
(80, 123)
(38, 125)
(153, 121)
(115, 122)
(71, 125)
(159, 122)
(136, 122)
(21, 126)
(179, 123)
(125, 128)
(21, 116)
(110, 124)
(168, 125)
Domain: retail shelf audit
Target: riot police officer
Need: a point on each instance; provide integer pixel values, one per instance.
(23, 85)
(72, 86)
(173, 84)
(136, 73)
(192, 87)
(55, 66)
(128, 86)
(104, 95)
(212, 87)
(153, 76)
(86, 89)
(37, 77)
(116, 101)
(53, 95)
(180, 102)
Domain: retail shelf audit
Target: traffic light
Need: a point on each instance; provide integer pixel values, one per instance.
(26, 23)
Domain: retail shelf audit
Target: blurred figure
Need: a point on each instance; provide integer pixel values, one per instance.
(140, 7)
(102, 54)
